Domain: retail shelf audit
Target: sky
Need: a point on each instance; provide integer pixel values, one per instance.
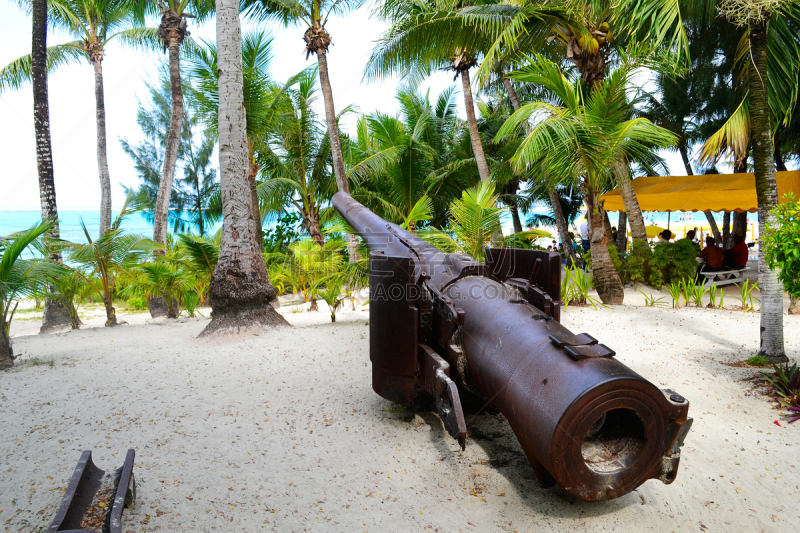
(72, 103)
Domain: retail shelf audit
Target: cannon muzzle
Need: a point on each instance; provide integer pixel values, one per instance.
(585, 420)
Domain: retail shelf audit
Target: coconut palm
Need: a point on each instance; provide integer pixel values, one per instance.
(587, 134)
(474, 220)
(258, 92)
(199, 255)
(95, 23)
(104, 259)
(426, 36)
(240, 291)
(771, 70)
(297, 156)
(18, 276)
(306, 266)
(314, 15)
(172, 31)
(160, 279)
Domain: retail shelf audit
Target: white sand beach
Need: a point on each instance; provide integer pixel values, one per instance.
(282, 432)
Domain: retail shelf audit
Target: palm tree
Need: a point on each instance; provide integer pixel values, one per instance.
(297, 156)
(18, 276)
(474, 220)
(161, 279)
(314, 15)
(771, 74)
(171, 31)
(95, 23)
(427, 36)
(240, 291)
(585, 134)
(104, 259)
(259, 98)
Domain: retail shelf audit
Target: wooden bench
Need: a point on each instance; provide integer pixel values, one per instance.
(85, 483)
(724, 277)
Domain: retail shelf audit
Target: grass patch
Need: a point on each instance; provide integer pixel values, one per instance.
(758, 360)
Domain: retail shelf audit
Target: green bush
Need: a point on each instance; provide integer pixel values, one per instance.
(672, 263)
(781, 244)
(136, 303)
(636, 264)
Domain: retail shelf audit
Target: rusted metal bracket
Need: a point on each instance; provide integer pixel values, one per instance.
(85, 482)
(436, 381)
(534, 295)
(582, 346)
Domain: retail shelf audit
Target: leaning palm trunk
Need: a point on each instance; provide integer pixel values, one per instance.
(317, 41)
(558, 213)
(6, 351)
(634, 212)
(622, 231)
(606, 278)
(709, 217)
(102, 156)
(240, 292)
(56, 315)
(161, 215)
(767, 193)
(472, 123)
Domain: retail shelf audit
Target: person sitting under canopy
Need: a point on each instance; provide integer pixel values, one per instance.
(712, 255)
(735, 258)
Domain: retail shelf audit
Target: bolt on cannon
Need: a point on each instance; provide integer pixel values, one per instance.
(450, 326)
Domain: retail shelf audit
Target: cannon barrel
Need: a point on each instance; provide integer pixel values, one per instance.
(585, 420)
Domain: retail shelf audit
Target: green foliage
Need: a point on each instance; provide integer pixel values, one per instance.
(136, 303)
(70, 289)
(285, 232)
(636, 263)
(786, 383)
(19, 276)
(162, 279)
(672, 263)
(712, 294)
(746, 296)
(305, 266)
(473, 223)
(575, 286)
(758, 360)
(781, 244)
(101, 261)
(652, 301)
(692, 292)
(330, 291)
(675, 290)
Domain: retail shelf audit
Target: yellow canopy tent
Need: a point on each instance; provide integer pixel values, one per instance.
(711, 192)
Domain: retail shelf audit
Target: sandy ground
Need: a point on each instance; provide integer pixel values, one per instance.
(282, 432)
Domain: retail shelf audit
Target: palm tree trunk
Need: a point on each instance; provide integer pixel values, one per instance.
(709, 217)
(515, 218)
(311, 222)
(767, 192)
(472, 122)
(161, 214)
(562, 227)
(780, 166)
(336, 145)
(558, 213)
(622, 232)
(634, 212)
(102, 156)
(56, 314)
(606, 278)
(726, 229)
(6, 351)
(111, 313)
(252, 171)
(240, 291)
(739, 225)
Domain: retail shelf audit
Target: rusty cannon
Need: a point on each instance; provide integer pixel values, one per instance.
(447, 328)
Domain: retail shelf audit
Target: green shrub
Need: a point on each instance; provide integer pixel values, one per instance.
(136, 303)
(781, 244)
(636, 264)
(672, 263)
(758, 360)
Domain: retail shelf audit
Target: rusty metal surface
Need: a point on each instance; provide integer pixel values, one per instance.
(584, 420)
(85, 482)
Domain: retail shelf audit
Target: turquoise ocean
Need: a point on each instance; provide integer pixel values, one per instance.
(13, 220)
